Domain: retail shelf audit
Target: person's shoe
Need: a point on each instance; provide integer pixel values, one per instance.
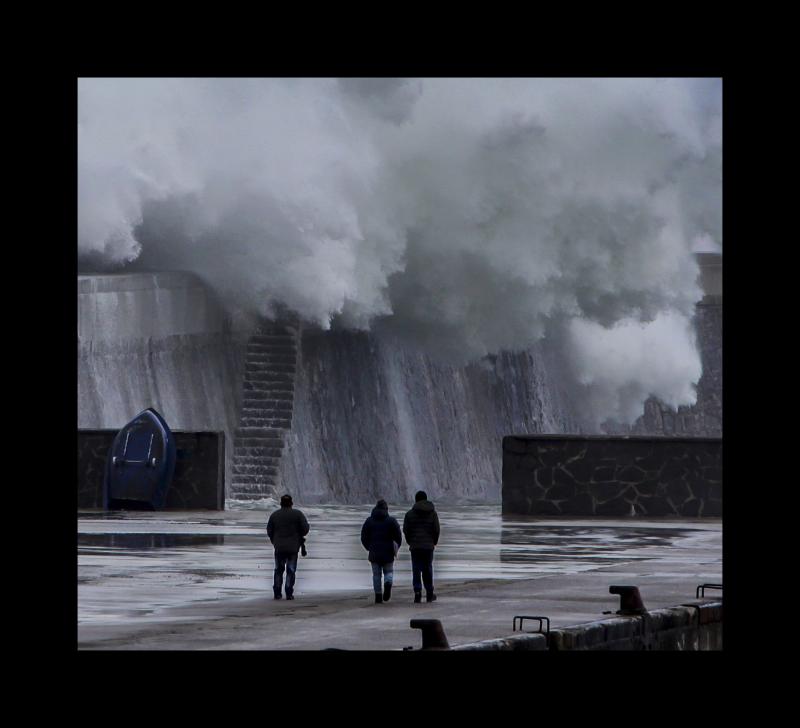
(387, 592)
(417, 597)
(378, 599)
(289, 596)
(277, 595)
(430, 597)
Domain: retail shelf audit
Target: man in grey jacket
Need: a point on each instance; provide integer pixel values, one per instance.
(286, 529)
(421, 529)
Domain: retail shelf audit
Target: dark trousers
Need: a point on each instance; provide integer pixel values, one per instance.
(422, 569)
(288, 561)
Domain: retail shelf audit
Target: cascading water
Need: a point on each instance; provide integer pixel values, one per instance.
(372, 419)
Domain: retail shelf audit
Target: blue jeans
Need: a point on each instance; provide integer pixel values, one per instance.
(422, 569)
(288, 561)
(388, 575)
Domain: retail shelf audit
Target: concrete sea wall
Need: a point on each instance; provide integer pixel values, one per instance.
(612, 476)
(157, 340)
(371, 419)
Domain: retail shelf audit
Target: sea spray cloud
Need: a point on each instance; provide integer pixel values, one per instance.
(464, 216)
(663, 353)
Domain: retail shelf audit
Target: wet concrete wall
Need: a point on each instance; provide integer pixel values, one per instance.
(197, 484)
(612, 476)
(372, 419)
(157, 340)
(695, 626)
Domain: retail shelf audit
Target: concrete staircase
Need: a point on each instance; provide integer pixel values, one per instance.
(270, 364)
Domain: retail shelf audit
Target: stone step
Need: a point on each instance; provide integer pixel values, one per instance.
(254, 470)
(263, 408)
(270, 465)
(283, 418)
(266, 408)
(271, 350)
(270, 341)
(264, 461)
(252, 489)
(272, 344)
(271, 471)
(265, 445)
(261, 460)
(267, 376)
(253, 480)
(274, 337)
(259, 357)
(284, 405)
(251, 496)
(268, 387)
(262, 366)
(260, 395)
(274, 424)
(265, 433)
(255, 452)
(275, 331)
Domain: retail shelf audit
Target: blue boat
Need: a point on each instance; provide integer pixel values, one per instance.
(140, 464)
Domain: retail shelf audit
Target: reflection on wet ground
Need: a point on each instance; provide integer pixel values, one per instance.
(539, 543)
(134, 564)
(144, 540)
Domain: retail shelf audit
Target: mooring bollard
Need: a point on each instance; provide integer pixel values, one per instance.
(433, 637)
(630, 600)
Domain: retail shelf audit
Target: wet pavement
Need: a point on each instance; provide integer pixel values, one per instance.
(202, 580)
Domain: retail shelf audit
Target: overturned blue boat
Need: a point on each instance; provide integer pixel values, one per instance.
(140, 464)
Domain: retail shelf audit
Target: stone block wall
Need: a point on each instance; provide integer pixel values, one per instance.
(695, 626)
(563, 475)
(197, 484)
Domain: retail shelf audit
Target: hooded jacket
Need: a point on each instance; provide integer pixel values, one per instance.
(285, 528)
(421, 526)
(379, 534)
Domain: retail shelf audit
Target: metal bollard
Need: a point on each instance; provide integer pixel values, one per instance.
(433, 637)
(630, 600)
(700, 592)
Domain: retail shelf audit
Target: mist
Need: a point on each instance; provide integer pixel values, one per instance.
(459, 216)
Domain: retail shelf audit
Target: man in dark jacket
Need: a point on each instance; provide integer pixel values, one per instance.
(380, 535)
(421, 529)
(286, 529)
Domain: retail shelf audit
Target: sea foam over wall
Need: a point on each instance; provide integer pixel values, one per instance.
(457, 218)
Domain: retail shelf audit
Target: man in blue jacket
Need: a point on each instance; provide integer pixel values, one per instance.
(381, 536)
(286, 529)
(421, 529)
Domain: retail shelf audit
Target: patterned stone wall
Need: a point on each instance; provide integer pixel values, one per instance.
(197, 484)
(562, 475)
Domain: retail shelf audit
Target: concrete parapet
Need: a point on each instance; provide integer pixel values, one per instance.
(694, 626)
(517, 642)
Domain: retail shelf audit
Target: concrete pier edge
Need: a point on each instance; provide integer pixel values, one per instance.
(694, 626)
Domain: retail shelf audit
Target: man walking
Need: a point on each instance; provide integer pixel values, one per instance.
(380, 535)
(286, 529)
(421, 529)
